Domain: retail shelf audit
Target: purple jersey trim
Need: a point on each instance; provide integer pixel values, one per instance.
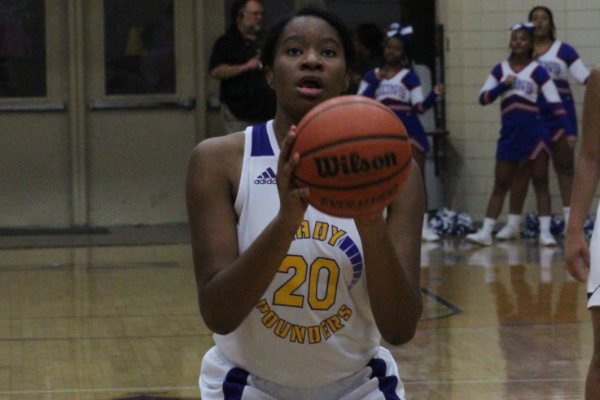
(387, 384)
(234, 384)
(261, 146)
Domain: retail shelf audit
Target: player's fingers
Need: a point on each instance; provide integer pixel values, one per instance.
(574, 270)
(286, 146)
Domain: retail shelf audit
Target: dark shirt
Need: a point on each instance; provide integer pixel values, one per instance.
(247, 95)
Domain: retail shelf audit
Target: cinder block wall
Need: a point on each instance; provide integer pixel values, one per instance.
(477, 36)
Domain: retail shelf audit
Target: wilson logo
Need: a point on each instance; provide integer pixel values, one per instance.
(353, 163)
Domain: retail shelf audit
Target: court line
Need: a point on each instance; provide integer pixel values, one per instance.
(158, 389)
(126, 390)
(466, 382)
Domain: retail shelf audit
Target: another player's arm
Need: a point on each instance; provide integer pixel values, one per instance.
(587, 177)
(230, 284)
(392, 251)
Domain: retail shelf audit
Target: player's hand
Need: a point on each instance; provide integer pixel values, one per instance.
(571, 140)
(577, 256)
(510, 80)
(293, 200)
(439, 89)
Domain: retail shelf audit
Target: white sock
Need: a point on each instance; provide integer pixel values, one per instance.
(514, 220)
(545, 224)
(426, 221)
(488, 225)
(566, 212)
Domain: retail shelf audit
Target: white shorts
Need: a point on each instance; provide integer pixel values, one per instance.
(593, 282)
(221, 380)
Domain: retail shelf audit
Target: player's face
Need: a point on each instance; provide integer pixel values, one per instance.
(520, 42)
(252, 15)
(541, 20)
(309, 66)
(393, 51)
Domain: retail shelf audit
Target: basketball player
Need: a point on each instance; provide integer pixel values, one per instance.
(587, 176)
(298, 300)
(522, 137)
(398, 87)
(560, 60)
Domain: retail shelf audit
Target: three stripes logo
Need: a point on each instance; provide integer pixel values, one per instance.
(266, 178)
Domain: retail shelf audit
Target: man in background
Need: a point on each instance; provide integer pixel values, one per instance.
(246, 98)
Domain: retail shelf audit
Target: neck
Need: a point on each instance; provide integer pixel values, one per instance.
(520, 59)
(393, 68)
(281, 125)
(542, 41)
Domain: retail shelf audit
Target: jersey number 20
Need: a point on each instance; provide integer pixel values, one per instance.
(286, 294)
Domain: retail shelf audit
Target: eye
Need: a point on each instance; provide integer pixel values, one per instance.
(329, 53)
(293, 51)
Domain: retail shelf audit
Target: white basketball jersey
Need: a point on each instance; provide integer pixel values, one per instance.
(314, 324)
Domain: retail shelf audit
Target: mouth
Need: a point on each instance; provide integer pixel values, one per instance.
(310, 85)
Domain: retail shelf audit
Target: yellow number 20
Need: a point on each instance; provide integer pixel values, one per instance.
(286, 296)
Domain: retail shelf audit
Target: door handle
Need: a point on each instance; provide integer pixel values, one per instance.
(32, 107)
(187, 104)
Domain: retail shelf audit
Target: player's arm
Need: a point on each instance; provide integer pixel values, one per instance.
(392, 251)
(230, 284)
(587, 176)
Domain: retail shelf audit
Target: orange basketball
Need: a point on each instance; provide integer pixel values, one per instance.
(355, 156)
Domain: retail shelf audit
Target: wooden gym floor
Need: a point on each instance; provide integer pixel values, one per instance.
(113, 315)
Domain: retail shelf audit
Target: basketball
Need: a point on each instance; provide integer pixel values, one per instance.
(355, 156)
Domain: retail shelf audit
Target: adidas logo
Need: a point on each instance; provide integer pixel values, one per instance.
(266, 178)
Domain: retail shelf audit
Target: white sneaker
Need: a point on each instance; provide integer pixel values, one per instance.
(547, 240)
(480, 237)
(509, 232)
(428, 235)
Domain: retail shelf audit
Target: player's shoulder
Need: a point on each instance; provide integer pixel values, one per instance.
(218, 152)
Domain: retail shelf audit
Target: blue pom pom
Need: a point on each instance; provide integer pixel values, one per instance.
(531, 227)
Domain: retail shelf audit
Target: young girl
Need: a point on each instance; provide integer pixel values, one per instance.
(522, 137)
(587, 176)
(398, 87)
(298, 300)
(560, 60)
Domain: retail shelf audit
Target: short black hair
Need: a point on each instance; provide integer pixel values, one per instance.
(550, 17)
(269, 41)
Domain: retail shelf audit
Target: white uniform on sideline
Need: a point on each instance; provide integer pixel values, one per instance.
(593, 281)
(312, 335)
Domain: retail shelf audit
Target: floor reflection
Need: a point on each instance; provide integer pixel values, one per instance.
(109, 322)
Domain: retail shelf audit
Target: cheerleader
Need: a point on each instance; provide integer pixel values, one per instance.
(523, 137)
(398, 87)
(560, 60)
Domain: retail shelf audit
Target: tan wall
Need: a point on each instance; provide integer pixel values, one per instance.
(477, 39)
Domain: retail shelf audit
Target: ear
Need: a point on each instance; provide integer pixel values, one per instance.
(347, 79)
(269, 76)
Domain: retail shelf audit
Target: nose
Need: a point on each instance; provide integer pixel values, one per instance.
(312, 60)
